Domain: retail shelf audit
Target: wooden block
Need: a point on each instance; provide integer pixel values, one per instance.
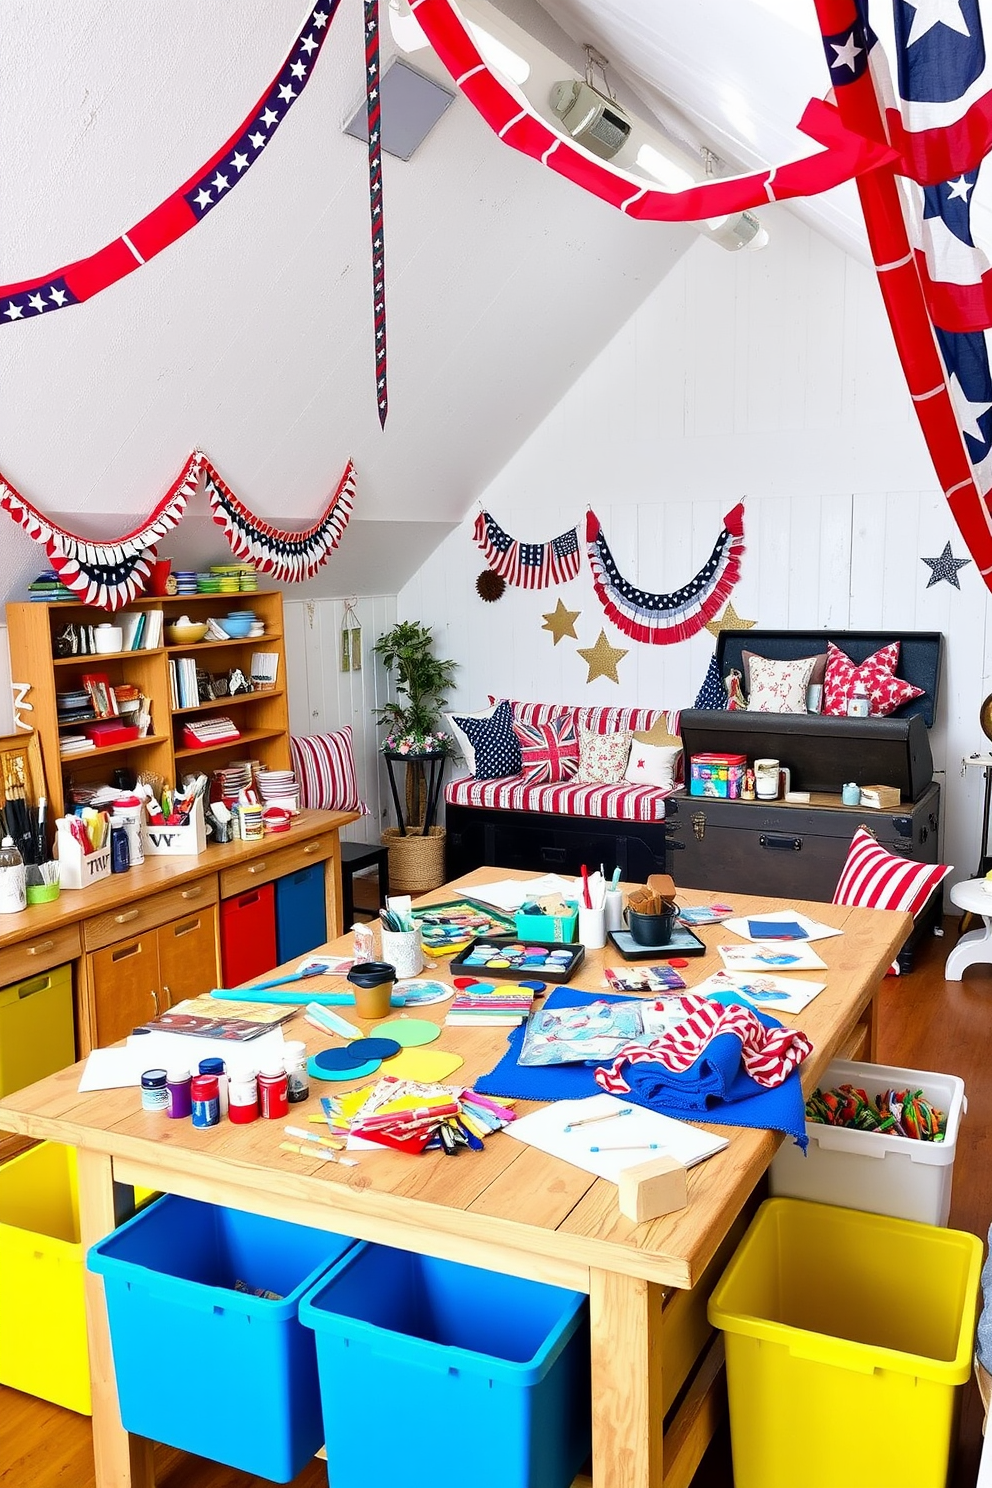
(662, 885)
(650, 1189)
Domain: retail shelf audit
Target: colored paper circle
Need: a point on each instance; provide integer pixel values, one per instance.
(462, 982)
(677, 961)
(534, 987)
(349, 1072)
(345, 1058)
(412, 1032)
(376, 1048)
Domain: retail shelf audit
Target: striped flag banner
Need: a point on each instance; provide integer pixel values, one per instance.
(528, 565)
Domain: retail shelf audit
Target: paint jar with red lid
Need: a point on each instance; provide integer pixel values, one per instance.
(205, 1099)
(273, 1092)
(243, 1098)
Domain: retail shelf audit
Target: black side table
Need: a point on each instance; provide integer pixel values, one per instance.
(434, 765)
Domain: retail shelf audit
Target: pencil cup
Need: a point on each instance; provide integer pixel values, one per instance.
(404, 949)
(592, 928)
(613, 908)
(372, 984)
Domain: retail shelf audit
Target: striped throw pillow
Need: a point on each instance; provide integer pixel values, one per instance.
(325, 768)
(549, 751)
(875, 879)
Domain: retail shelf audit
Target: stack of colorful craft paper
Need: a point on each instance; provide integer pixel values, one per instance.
(484, 1006)
(413, 1116)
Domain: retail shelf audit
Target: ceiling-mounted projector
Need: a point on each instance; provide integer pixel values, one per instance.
(592, 118)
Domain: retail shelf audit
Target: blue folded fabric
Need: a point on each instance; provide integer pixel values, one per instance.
(716, 1087)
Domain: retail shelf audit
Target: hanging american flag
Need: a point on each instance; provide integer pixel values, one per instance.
(928, 267)
(528, 565)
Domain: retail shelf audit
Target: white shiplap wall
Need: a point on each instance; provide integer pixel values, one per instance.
(768, 377)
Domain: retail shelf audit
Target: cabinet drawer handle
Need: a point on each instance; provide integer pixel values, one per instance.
(129, 914)
(192, 893)
(257, 868)
(781, 844)
(43, 945)
(311, 848)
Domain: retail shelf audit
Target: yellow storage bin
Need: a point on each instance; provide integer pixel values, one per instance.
(847, 1335)
(36, 1030)
(42, 1316)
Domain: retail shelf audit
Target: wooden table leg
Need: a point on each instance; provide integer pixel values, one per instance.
(120, 1460)
(627, 1410)
(332, 895)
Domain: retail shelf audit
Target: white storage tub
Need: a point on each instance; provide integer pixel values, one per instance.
(870, 1170)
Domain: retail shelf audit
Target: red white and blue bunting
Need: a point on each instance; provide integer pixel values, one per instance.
(528, 565)
(663, 619)
(287, 556)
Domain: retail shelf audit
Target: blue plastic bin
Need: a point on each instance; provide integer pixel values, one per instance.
(203, 1367)
(436, 1363)
(301, 913)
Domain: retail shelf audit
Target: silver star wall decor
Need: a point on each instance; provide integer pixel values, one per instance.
(945, 567)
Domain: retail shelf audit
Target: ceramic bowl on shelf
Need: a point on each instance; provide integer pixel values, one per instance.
(185, 632)
(237, 626)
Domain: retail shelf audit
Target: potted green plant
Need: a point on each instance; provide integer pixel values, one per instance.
(414, 735)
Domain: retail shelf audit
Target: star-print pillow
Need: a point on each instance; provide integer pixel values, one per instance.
(602, 757)
(549, 751)
(886, 692)
(497, 748)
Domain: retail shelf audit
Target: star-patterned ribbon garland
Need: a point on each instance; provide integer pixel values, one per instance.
(945, 567)
(187, 206)
(662, 619)
(374, 115)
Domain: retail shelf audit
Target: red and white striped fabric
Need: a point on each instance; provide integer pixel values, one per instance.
(875, 879)
(768, 1054)
(549, 751)
(601, 719)
(623, 802)
(325, 767)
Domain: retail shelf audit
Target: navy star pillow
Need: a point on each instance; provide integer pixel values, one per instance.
(497, 748)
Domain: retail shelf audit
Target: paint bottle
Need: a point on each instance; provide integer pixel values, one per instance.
(295, 1061)
(219, 1068)
(129, 809)
(13, 894)
(273, 1091)
(243, 1097)
(120, 852)
(206, 1102)
(180, 1102)
(154, 1095)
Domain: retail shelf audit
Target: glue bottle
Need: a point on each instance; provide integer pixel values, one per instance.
(13, 895)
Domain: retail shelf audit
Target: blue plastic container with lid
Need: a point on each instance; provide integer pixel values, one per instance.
(490, 1370)
(201, 1365)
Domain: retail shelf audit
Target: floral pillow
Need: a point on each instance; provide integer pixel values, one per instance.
(779, 686)
(550, 751)
(886, 692)
(602, 757)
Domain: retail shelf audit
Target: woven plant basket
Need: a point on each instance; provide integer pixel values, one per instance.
(416, 863)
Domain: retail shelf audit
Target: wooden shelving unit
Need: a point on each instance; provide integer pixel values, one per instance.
(261, 717)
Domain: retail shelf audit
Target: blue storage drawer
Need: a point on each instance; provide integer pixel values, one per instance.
(301, 915)
(201, 1366)
(493, 1369)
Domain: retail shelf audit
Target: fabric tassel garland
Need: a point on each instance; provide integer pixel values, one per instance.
(287, 556)
(663, 619)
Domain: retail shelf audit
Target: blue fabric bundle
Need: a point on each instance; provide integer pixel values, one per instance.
(716, 1087)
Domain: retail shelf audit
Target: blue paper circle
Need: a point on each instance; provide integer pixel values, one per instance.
(374, 1048)
(345, 1058)
(534, 987)
(349, 1072)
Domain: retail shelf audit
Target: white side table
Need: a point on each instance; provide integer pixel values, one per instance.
(975, 948)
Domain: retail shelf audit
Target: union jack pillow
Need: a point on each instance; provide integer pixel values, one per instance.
(886, 692)
(550, 751)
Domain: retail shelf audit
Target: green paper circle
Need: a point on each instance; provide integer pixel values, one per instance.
(409, 1032)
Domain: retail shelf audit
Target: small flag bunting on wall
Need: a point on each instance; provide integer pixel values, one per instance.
(528, 565)
(662, 619)
(374, 114)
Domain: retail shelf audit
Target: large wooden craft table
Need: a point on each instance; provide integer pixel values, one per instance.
(510, 1208)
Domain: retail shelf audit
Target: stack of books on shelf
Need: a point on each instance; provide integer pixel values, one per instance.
(72, 744)
(483, 1006)
(182, 682)
(205, 733)
(48, 588)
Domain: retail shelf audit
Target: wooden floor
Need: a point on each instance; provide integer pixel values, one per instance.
(926, 1023)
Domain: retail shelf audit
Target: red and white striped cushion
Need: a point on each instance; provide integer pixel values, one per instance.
(549, 751)
(875, 879)
(623, 802)
(599, 719)
(325, 768)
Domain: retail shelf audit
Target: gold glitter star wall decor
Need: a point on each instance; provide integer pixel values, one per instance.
(729, 620)
(602, 659)
(561, 622)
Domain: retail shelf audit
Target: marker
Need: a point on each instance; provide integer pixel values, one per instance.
(632, 1147)
(608, 1116)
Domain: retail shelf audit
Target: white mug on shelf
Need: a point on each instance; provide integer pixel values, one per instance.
(766, 779)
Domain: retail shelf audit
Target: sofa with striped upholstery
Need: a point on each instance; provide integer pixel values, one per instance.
(508, 823)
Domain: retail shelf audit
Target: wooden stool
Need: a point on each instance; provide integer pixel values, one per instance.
(354, 857)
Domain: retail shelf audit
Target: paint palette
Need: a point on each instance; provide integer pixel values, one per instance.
(509, 956)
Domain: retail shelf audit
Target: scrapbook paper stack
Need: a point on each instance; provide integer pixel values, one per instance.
(484, 1006)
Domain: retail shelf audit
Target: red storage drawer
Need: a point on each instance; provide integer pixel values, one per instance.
(248, 935)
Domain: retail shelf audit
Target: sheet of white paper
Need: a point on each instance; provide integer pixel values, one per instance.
(510, 893)
(775, 994)
(623, 1141)
(814, 929)
(111, 1069)
(771, 956)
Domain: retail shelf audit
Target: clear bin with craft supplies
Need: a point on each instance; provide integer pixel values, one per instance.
(36, 1028)
(492, 1370)
(847, 1336)
(896, 1175)
(209, 1297)
(544, 923)
(42, 1312)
